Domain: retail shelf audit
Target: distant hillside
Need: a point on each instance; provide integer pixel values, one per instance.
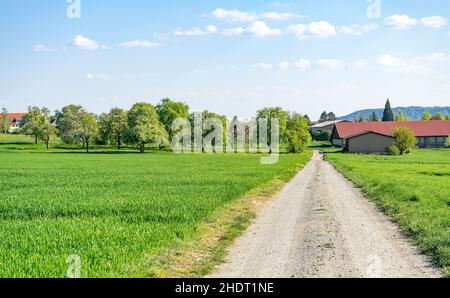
(413, 113)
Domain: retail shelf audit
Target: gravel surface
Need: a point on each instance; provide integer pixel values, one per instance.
(319, 225)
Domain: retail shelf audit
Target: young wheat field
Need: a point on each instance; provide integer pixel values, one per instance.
(116, 211)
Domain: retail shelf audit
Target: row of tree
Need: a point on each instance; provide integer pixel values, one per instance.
(324, 117)
(145, 124)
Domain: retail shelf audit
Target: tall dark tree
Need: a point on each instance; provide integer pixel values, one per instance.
(323, 117)
(331, 116)
(388, 115)
(373, 117)
(308, 119)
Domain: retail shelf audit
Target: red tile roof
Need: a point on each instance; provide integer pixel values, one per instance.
(17, 117)
(420, 128)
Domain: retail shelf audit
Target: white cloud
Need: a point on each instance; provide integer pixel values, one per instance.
(330, 64)
(278, 16)
(434, 22)
(85, 43)
(358, 29)
(263, 66)
(320, 29)
(210, 29)
(284, 66)
(388, 60)
(233, 31)
(234, 16)
(400, 22)
(417, 65)
(139, 44)
(302, 64)
(98, 77)
(298, 30)
(41, 48)
(261, 29)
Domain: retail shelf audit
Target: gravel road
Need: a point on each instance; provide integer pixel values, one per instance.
(319, 225)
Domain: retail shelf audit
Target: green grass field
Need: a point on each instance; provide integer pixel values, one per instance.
(413, 189)
(116, 211)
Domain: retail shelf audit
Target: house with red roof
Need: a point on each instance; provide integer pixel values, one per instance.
(14, 120)
(376, 137)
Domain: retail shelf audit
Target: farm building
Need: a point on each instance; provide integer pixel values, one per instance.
(324, 126)
(14, 120)
(376, 137)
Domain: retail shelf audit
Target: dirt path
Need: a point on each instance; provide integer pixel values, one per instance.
(321, 226)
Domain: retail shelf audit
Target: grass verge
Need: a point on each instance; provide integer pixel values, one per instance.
(411, 189)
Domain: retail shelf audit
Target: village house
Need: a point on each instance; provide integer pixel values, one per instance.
(14, 120)
(376, 137)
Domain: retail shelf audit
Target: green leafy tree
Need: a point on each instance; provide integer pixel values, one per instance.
(438, 117)
(89, 129)
(273, 113)
(144, 126)
(113, 126)
(31, 123)
(69, 121)
(447, 117)
(400, 117)
(404, 139)
(298, 134)
(169, 111)
(47, 130)
(104, 129)
(5, 120)
(388, 115)
(324, 136)
(205, 115)
(426, 116)
(374, 117)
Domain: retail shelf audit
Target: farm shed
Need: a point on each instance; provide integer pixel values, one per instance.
(376, 137)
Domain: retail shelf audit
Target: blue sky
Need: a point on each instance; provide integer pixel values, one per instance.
(231, 57)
